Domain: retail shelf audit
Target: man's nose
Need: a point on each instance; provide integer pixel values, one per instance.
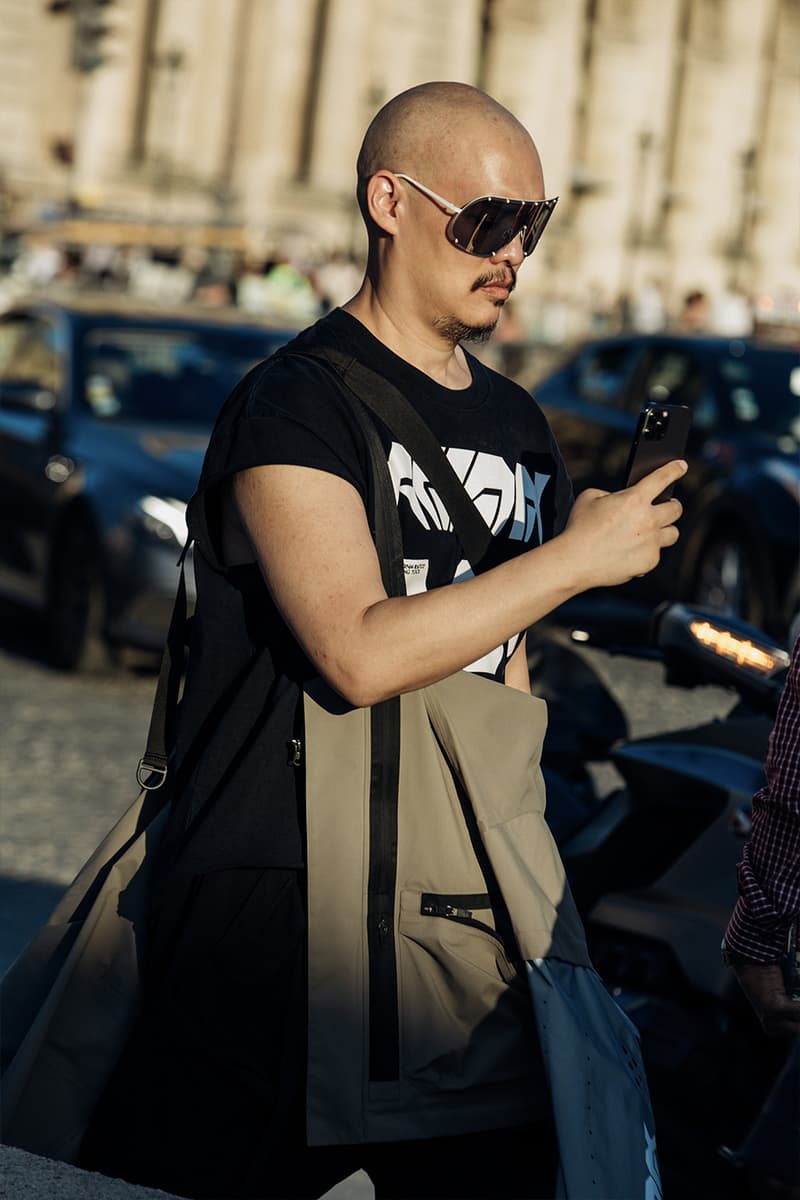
(512, 251)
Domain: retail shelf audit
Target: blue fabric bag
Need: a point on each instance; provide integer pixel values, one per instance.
(601, 1104)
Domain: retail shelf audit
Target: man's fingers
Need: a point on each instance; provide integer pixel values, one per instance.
(669, 512)
(654, 484)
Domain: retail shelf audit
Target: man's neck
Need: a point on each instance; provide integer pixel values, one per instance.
(416, 344)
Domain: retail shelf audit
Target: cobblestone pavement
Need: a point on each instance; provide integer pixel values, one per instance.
(69, 747)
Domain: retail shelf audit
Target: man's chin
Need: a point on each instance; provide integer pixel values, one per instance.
(459, 331)
(478, 334)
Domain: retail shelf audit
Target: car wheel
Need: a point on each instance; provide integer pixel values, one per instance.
(76, 602)
(727, 579)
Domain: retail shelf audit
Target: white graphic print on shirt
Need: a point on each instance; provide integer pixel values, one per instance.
(500, 495)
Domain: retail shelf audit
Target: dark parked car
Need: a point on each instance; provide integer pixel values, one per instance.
(740, 533)
(105, 414)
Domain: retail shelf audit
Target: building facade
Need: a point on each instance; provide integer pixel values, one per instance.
(669, 128)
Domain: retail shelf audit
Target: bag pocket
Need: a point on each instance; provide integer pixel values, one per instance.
(465, 1017)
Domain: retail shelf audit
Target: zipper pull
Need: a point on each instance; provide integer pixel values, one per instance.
(445, 910)
(295, 748)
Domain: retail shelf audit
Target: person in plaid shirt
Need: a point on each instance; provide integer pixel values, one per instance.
(756, 940)
(757, 936)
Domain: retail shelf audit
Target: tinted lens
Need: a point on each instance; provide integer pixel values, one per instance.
(539, 216)
(484, 226)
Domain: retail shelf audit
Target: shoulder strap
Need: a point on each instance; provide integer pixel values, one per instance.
(385, 521)
(403, 420)
(152, 770)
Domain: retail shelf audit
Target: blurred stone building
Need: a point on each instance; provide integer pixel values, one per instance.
(669, 128)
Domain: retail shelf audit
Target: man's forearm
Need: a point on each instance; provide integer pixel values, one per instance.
(409, 641)
(311, 537)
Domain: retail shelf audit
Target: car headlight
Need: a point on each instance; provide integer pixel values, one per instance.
(164, 518)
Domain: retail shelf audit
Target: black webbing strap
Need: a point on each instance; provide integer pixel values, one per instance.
(152, 770)
(405, 423)
(385, 521)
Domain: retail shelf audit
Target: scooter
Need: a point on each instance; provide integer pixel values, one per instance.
(652, 869)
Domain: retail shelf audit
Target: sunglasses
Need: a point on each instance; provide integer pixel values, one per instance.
(485, 225)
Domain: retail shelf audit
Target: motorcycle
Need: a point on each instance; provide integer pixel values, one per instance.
(652, 869)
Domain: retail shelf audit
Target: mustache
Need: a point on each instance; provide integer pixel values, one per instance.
(504, 278)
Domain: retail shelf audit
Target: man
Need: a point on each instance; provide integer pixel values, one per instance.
(289, 587)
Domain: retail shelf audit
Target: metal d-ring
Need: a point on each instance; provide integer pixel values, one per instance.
(143, 779)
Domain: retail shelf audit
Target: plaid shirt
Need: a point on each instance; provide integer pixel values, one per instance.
(769, 873)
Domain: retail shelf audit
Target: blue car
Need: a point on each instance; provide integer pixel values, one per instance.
(740, 533)
(105, 413)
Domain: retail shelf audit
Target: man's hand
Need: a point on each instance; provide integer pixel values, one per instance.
(621, 534)
(764, 986)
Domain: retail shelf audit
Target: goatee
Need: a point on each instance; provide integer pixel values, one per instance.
(456, 331)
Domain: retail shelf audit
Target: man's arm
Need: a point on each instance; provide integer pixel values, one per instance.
(311, 537)
(763, 985)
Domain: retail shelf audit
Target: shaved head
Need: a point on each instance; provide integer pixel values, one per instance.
(454, 141)
(425, 130)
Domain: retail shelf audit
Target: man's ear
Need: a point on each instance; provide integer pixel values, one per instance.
(383, 195)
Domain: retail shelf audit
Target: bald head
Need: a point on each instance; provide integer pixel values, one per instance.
(425, 130)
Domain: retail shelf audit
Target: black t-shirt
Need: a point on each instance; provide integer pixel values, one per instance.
(237, 792)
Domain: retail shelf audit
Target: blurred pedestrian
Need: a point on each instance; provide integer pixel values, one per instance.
(695, 313)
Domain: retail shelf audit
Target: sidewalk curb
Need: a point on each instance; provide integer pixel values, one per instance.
(25, 1176)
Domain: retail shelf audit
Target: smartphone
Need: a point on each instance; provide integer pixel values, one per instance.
(661, 435)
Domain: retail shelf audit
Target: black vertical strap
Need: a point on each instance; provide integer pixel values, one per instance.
(384, 1023)
(384, 519)
(152, 770)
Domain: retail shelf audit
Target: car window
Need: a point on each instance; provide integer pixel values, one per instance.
(764, 387)
(28, 352)
(146, 373)
(602, 373)
(674, 376)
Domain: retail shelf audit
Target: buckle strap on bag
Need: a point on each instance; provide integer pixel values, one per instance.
(151, 772)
